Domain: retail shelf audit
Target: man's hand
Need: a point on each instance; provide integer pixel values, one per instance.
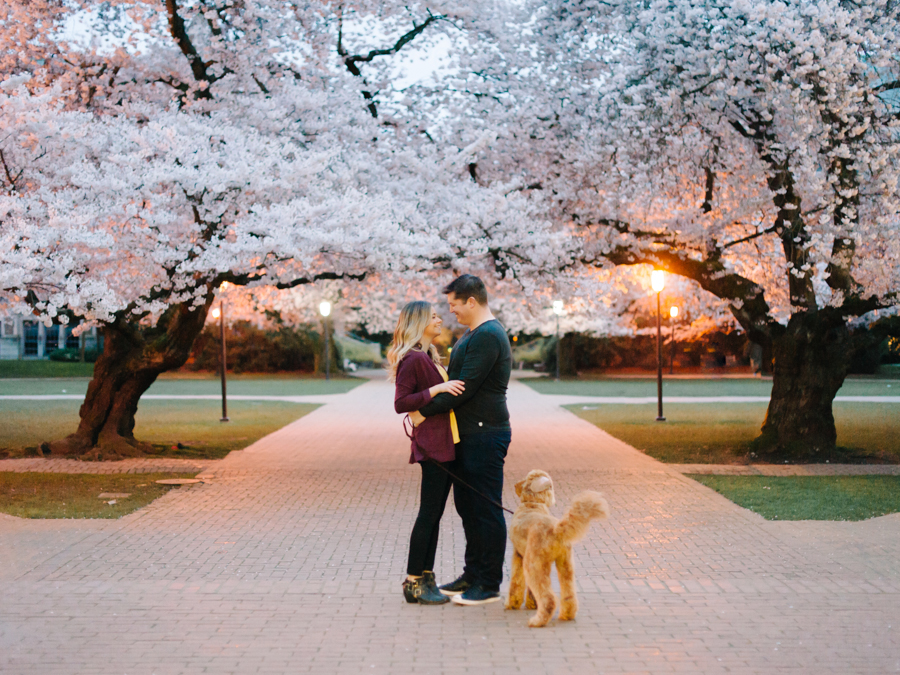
(416, 418)
(453, 387)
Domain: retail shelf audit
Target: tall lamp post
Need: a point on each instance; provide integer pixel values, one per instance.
(558, 309)
(219, 313)
(673, 312)
(658, 282)
(325, 310)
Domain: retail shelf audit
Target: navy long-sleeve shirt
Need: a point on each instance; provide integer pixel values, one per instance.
(482, 359)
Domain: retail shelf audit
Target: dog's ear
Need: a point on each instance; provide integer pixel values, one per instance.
(519, 488)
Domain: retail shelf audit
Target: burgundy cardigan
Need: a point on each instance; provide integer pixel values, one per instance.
(433, 438)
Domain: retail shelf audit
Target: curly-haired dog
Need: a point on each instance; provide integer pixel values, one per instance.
(539, 540)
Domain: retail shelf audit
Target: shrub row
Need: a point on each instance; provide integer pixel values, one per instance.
(251, 349)
(71, 355)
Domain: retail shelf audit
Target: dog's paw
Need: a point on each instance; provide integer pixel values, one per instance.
(530, 602)
(537, 622)
(568, 609)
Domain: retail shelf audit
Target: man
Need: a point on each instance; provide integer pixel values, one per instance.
(482, 359)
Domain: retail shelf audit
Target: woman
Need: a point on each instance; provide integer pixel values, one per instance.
(414, 364)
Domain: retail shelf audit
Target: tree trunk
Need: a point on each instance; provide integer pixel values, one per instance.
(811, 360)
(133, 357)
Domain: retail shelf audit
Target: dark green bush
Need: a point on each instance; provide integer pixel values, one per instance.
(584, 352)
(71, 355)
(254, 350)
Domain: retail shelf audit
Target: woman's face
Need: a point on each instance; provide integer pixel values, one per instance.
(433, 329)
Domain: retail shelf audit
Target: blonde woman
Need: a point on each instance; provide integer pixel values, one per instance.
(415, 367)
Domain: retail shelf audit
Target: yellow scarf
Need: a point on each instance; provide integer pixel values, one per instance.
(453, 427)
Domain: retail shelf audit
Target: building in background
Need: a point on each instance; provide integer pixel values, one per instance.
(27, 338)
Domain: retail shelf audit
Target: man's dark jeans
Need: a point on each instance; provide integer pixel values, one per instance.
(479, 462)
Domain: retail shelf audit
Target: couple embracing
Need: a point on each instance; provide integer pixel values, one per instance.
(460, 437)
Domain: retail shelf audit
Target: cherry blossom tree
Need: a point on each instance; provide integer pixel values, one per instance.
(752, 146)
(155, 151)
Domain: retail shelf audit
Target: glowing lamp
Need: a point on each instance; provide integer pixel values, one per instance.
(324, 308)
(216, 313)
(557, 307)
(658, 280)
(673, 312)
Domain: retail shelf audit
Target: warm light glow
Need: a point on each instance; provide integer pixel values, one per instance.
(324, 308)
(216, 313)
(658, 280)
(515, 338)
(557, 307)
(224, 286)
(673, 312)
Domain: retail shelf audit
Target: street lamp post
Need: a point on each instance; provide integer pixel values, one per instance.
(558, 309)
(673, 312)
(325, 310)
(658, 282)
(219, 313)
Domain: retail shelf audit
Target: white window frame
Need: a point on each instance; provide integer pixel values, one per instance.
(8, 327)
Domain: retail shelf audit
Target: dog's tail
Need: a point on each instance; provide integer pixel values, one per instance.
(586, 506)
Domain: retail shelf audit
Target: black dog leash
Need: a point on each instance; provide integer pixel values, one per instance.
(462, 482)
(443, 468)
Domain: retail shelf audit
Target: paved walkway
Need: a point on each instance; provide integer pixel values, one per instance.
(289, 560)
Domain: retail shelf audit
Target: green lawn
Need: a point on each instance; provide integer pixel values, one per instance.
(259, 385)
(41, 368)
(721, 433)
(192, 423)
(75, 495)
(646, 386)
(810, 497)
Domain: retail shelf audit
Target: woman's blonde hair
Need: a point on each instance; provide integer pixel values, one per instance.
(414, 318)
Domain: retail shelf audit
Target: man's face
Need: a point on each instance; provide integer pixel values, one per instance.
(461, 309)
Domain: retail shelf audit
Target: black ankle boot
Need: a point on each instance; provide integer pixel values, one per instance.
(430, 581)
(419, 590)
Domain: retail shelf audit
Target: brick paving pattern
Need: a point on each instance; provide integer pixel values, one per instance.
(289, 560)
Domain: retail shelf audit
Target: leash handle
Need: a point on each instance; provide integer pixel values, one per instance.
(412, 427)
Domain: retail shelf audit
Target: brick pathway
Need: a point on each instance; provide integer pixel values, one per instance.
(290, 560)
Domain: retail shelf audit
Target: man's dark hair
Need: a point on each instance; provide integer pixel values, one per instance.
(468, 286)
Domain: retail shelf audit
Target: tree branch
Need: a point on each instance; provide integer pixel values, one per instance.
(743, 240)
(745, 297)
(351, 62)
(179, 33)
(9, 177)
(244, 279)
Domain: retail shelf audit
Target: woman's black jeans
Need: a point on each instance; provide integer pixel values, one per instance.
(424, 539)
